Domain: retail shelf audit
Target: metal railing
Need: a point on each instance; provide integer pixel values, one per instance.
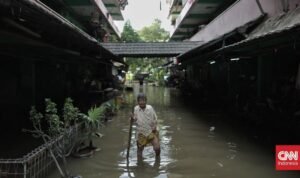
(38, 163)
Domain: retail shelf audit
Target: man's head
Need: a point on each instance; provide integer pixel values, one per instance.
(142, 99)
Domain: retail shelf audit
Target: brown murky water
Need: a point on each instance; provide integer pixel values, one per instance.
(192, 145)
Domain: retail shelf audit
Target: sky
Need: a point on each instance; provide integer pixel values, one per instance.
(142, 13)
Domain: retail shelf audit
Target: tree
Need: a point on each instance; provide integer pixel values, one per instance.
(154, 32)
(128, 34)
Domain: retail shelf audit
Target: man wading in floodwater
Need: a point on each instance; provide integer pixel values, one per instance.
(146, 120)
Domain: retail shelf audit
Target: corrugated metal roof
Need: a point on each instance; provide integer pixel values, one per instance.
(272, 26)
(149, 49)
(197, 49)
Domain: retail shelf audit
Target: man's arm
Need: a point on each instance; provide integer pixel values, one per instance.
(154, 122)
(134, 114)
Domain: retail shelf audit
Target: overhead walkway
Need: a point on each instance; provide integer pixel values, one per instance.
(150, 49)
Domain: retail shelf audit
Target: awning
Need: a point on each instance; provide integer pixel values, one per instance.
(275, 32)
(198, 50)
(41, 26)
(271, 33)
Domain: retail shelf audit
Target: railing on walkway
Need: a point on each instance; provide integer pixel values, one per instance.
(38, 163)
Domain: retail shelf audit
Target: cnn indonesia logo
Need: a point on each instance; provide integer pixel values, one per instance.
(287, 157)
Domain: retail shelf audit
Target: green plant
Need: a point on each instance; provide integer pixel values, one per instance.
(53, 131)
(56, 128)
(95, 114)
(70, 113)
(111, 107)
(35, 118)
(55, 124)
(92, 123)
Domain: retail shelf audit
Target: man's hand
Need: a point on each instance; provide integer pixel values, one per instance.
(131, 117)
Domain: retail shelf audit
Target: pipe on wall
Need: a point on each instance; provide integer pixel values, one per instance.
(285, 5)
(260, 7)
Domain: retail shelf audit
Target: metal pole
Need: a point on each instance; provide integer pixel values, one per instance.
(129, 138)
(25, 169)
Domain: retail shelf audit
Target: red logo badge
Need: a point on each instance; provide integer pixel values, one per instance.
(287, 157)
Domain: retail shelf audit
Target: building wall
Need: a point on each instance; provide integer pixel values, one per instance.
(239, 14)
(26, 82)
(274, 7)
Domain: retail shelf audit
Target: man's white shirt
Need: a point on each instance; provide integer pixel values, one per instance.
(146, 119)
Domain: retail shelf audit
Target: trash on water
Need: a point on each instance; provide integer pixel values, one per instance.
(220, 164)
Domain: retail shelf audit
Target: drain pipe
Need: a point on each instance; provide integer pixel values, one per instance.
(285, 5)
(260, 7)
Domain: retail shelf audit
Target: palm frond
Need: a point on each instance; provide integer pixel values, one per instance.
(95, 114)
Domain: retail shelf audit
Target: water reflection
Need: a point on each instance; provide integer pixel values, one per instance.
(149, 165)
(192, 145)
(143, 168)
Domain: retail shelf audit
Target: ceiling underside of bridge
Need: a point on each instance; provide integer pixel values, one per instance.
(150, 49)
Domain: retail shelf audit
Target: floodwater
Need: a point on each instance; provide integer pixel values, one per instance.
(193, 144)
